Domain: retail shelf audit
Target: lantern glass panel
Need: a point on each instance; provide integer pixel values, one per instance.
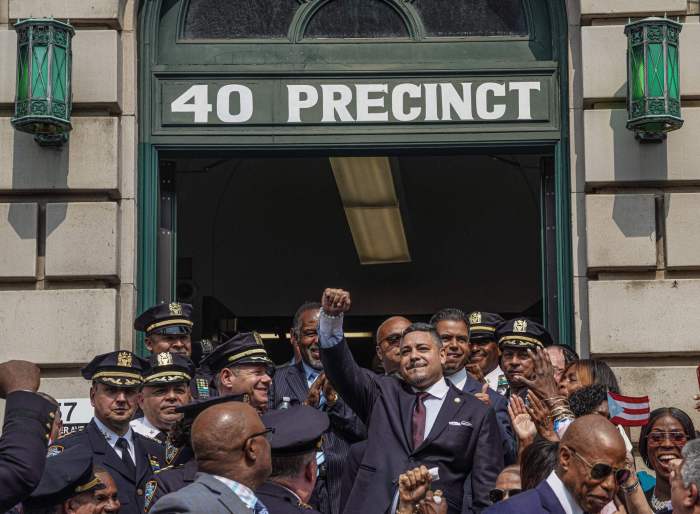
(40, 71)
(23, 70)
(673, 88)
(638, 73)
(655, 69)
(58, 73)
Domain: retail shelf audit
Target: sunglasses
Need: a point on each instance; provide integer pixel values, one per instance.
(601, 471)
(497, 495)
(392, 339)
(658, 438)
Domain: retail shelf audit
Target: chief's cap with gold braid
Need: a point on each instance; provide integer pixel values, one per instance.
(66, 474)
(243, 348)
(523, 333)
(298, 429)
(120, 369)
(168, 368)
(166, 319)
(483, 325)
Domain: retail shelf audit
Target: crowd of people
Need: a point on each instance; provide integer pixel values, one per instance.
(468, 413)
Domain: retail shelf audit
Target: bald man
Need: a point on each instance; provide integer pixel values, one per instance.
(388, 339)
(590, 469)
(232, 450)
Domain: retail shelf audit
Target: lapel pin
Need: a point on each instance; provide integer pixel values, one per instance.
(457, 400)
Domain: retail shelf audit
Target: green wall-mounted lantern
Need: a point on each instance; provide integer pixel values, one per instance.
(653, 78)
(43, 96)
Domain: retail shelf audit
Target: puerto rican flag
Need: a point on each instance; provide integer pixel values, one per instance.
(628, 411)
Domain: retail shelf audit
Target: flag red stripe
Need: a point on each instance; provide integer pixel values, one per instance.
(629, 423)
(637, 411)
(629, 399)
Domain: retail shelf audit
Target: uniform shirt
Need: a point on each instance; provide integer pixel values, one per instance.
(492, 378)
(563, 495)
(245, 494)
(112, 439)
(144, 427)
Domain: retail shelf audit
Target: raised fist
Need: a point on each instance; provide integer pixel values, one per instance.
(335, 301)
(18, 376)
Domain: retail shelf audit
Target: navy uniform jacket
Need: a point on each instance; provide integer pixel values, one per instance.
(25, 434)
(345, 429)
(280, 500)
(166, 455)
(169, 480)
(541, 499)
(464, 442)
(131, 492)
(500, 405)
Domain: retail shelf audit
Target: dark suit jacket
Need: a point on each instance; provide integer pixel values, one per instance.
(538, 500)
(168, 480)
(500, 406)
(205, 495)
(464, 440)
(23, 445)
(346, 428)
(131, 491)
(279, 500)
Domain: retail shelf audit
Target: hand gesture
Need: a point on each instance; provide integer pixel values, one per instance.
(18, 376)
(413, 486)
(523, 425)
(329, 391)
(335, 301)
(475, 371)
(313, 397)
(484, 395)
(434, 503)
(544, 384)
(540, 414)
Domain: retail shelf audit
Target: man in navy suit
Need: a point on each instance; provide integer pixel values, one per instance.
(418, 420)
(304, 382)
(453, 328)
(590, 470)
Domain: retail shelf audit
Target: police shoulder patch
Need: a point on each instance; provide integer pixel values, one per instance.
(148, 493)
(54, 449)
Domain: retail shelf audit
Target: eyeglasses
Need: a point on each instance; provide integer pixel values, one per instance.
(600, 470)
(392, 339)
(497, 495)
(267, 433)
(658, 438)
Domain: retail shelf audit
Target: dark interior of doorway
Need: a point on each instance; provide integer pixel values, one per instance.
(254, 237)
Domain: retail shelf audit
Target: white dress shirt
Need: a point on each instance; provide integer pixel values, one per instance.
(563, 495)
(113, 437)
(492, 378)
(145, 428)
(459, 378)
(433, 403)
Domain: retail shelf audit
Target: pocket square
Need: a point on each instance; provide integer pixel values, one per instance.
(460, 423)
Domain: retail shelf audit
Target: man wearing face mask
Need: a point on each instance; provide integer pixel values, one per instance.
(305, 383)
(421, 419)
(590, 469)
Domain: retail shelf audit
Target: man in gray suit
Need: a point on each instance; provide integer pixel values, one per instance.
(232, 450)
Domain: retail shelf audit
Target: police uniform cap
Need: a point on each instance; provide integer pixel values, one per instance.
(483, 325)
(120, 369)
(168, 368)
(166, 319)
(523, 333)
(243, 348)
(297, 430)
(66, 475)
(195, 408)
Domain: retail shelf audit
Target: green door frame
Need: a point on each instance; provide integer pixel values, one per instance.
(151, 146)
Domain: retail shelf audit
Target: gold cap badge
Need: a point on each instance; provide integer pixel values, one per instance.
(175, 309)
(257, 338)
(165, 359)
(124, 359)
(520, 326)
(475, 318)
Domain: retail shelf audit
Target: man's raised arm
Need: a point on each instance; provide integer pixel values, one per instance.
(356, 386)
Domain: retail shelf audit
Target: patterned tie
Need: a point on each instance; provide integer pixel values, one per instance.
(418, 421)
(123, 444)
(260, 508)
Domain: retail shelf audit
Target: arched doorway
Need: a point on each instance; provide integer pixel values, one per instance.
(415, 152)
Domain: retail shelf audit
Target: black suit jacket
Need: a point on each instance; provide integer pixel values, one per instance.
(345, 429)
(464, 440)
(131, 491)
(25, 434)
(541, 499)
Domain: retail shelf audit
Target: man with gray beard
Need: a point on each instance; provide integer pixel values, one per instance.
(305, 383)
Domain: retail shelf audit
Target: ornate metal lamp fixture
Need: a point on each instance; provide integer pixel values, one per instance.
(43, 96)
(653, 78)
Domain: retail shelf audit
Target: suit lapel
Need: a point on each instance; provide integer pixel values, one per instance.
(297, 382)
(142, 461)
(407, 400)
(226, 497)
(549, 500)
(450, 406)
(472, 385)
(101, 446)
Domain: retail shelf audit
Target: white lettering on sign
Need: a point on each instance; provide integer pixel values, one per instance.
(370, 103)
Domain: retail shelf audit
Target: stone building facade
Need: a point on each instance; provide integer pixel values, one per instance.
(68, 218)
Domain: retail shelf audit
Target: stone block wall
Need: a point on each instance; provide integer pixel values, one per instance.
(635, 210)
(67, 217)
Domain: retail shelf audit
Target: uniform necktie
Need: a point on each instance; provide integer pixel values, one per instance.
(418, 421)
(260, 508)
(123, 444)
(161, 437)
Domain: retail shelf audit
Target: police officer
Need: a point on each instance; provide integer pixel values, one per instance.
(67, 485)
(182, 472)
(168, 328)
(294, 443)
(241, 366)
(165, 387)
(116, 378)
(484, 348)
(515, 338)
